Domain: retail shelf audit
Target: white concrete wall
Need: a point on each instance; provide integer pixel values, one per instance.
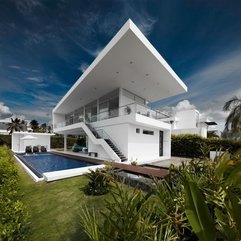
(198, 131)
(102, 154)
(119, 135)
(58, 119)
(141, 146)
(187, 119)
(167, 143)
(19, 145)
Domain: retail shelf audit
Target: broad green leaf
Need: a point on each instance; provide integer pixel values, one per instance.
(197, 212)
(223, 162)
(236, 210)
(228, 233)
(234, 177)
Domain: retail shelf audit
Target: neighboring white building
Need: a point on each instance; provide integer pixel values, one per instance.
(22, 139)
(190, 122)
(109, 101)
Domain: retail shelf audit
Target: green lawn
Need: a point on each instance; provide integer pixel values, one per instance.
(54, 207)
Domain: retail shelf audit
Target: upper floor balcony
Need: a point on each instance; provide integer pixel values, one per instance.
(133, 108)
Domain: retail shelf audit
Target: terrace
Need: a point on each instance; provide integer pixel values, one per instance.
(76, 116)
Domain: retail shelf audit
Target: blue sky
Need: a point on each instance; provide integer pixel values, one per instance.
(45, 45)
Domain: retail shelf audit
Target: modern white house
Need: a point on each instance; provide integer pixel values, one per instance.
(190, 122)
(109, 102)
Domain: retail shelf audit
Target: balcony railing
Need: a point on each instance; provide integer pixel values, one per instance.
(121, 111)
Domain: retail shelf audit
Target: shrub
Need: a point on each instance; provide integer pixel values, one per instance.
(13, 215)
(5, 140)
(99, 182)
(58, 141)
(191, 145)
(199, 200)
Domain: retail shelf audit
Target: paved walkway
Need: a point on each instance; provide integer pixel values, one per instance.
(173, 160)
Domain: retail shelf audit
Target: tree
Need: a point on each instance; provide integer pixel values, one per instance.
(233, 121)
(15, 125)
(34, 125)
(43, 128)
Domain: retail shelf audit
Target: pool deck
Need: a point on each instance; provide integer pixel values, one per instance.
(141, 170)
(158, 169)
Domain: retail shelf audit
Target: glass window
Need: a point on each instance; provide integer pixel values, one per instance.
(103, 107)
(91, 112)
(147, 132)
(114, 107)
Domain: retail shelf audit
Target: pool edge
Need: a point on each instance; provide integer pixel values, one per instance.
(74, 172)
(31, 174)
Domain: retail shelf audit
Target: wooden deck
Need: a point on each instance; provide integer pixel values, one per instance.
(141, 170)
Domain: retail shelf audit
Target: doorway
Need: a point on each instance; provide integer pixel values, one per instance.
(161, 143)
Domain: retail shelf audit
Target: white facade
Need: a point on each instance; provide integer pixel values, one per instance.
(190, 122)
(109, 101)
(39, 139)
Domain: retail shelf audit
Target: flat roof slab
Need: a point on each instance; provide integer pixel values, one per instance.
(129, 61)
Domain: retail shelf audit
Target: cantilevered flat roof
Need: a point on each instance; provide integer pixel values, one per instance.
(129, 61)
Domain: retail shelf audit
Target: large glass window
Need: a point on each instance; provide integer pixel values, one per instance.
(108, 108)
(79, 115)
(133, 97)
(91, 112)
(114, 107)
(109, 105)
(69, 118)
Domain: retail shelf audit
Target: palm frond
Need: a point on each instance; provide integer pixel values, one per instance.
(229, 105)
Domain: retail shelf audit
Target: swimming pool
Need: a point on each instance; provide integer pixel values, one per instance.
(48, 162)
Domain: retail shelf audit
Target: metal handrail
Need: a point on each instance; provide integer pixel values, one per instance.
(120, 111)
(102, 133)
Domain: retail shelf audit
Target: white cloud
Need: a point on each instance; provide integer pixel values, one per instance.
(14, 67)
(35, 79)
(4, 111)
(219, 77)
(83, 67)
(184, 105)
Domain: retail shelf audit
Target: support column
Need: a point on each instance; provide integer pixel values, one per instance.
(65, 142)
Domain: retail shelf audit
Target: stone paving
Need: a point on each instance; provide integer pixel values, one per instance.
(173, 160)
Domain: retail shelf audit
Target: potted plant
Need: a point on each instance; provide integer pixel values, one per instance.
(128, 110)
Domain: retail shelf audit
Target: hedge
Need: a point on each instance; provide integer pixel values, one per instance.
(58, 141)
(13, 214)
(5, 140)
(192, 145)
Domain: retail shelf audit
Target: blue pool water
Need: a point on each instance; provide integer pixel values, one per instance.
(49, 162)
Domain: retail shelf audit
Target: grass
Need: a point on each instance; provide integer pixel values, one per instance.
(54, 207)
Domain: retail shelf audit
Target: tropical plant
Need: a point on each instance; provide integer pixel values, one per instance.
(217, 204)
(131, 217)
(43, 128)
(99, 182)
(199, 200)
(233, 121)
(15, 125)
(13, 214)
(34, 125)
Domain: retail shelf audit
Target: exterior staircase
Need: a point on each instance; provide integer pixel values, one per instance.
(116, 150)
(92, 129)
(102, 135)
